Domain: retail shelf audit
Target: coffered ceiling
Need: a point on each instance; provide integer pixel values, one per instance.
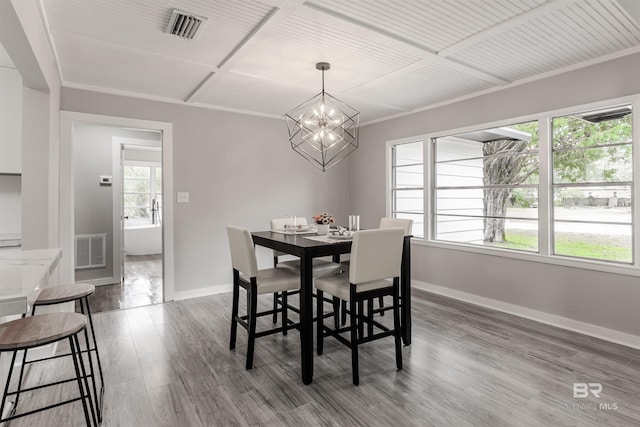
(388, 57)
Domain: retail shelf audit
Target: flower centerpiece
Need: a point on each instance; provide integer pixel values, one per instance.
(322, 222)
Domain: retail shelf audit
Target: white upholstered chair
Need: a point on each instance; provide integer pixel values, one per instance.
(385, 222)
(405, 224)
(320, 266)
(255, 282)
(376, 258)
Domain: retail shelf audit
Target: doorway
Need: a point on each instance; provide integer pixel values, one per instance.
(139, 202)
(74, 209)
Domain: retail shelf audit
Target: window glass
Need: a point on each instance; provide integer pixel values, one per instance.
(592, 185)
(141, 187)
(408, 184)
(486, 187)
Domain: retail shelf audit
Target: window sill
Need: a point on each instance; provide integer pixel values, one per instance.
(627, 270)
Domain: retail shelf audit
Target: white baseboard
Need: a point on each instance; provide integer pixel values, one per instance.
(606, 334)
(101, 282)
(202, 292)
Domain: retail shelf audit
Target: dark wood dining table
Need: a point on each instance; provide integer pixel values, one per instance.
(306, 250)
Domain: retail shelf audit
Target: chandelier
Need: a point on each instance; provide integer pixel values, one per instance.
(323, 129)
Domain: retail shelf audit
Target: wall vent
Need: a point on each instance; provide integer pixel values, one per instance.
(185, 25)
(90, 250)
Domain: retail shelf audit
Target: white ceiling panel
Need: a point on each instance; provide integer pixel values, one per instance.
(433, 24)
(290, 53)
(247, 93)
(428, 85)
(387, 56)
(88, 62)
(142, 24)
(578, 32)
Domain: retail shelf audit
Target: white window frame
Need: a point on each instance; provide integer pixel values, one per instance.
(545, 193)
(152, 187)
(389, 210)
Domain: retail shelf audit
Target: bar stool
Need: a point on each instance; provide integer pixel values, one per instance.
(70, 293)
(36, 331)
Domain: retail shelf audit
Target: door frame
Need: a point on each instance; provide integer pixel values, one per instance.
(68, 120)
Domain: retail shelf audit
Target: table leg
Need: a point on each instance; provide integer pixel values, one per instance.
(306, 318)
(405, 291)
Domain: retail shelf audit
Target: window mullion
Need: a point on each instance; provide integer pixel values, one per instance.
(545, 191)
(429, 183)
(635, 189)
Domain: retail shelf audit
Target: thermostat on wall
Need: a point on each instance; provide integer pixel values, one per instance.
(105, 180)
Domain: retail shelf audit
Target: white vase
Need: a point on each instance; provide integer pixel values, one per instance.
(323, 229)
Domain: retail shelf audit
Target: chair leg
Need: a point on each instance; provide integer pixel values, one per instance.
(358, 321)
(396, 324)
(344, 313)
(75, 355)
(370, 317)
(354, 342)
(381, 303)
(275, 307)
(285, 317)
(253, 309)
(336, 312)
(320, 322)
(234, 311)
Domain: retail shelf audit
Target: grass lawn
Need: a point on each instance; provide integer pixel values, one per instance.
(577, 245)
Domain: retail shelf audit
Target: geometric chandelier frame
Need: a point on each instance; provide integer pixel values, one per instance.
(323, 129)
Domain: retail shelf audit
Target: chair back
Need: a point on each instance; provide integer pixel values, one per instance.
(406, 224)
(243, 253)
(376, 254)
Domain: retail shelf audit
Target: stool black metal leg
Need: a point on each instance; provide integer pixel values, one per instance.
(75, 355)
(24, 363)
(20, 377)
(6, 386)
(86, 381)
(84, 301)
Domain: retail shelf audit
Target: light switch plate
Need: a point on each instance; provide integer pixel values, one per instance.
(183, 197)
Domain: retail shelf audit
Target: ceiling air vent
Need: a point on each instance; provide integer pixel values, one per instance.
(185, 25)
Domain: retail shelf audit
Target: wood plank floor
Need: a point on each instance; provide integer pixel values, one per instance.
(142, 286)
(169, 365)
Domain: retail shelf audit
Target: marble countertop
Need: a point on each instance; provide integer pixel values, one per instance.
(22, 274)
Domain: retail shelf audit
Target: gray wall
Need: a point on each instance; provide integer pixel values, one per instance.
(238, 169)
(603, 299)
